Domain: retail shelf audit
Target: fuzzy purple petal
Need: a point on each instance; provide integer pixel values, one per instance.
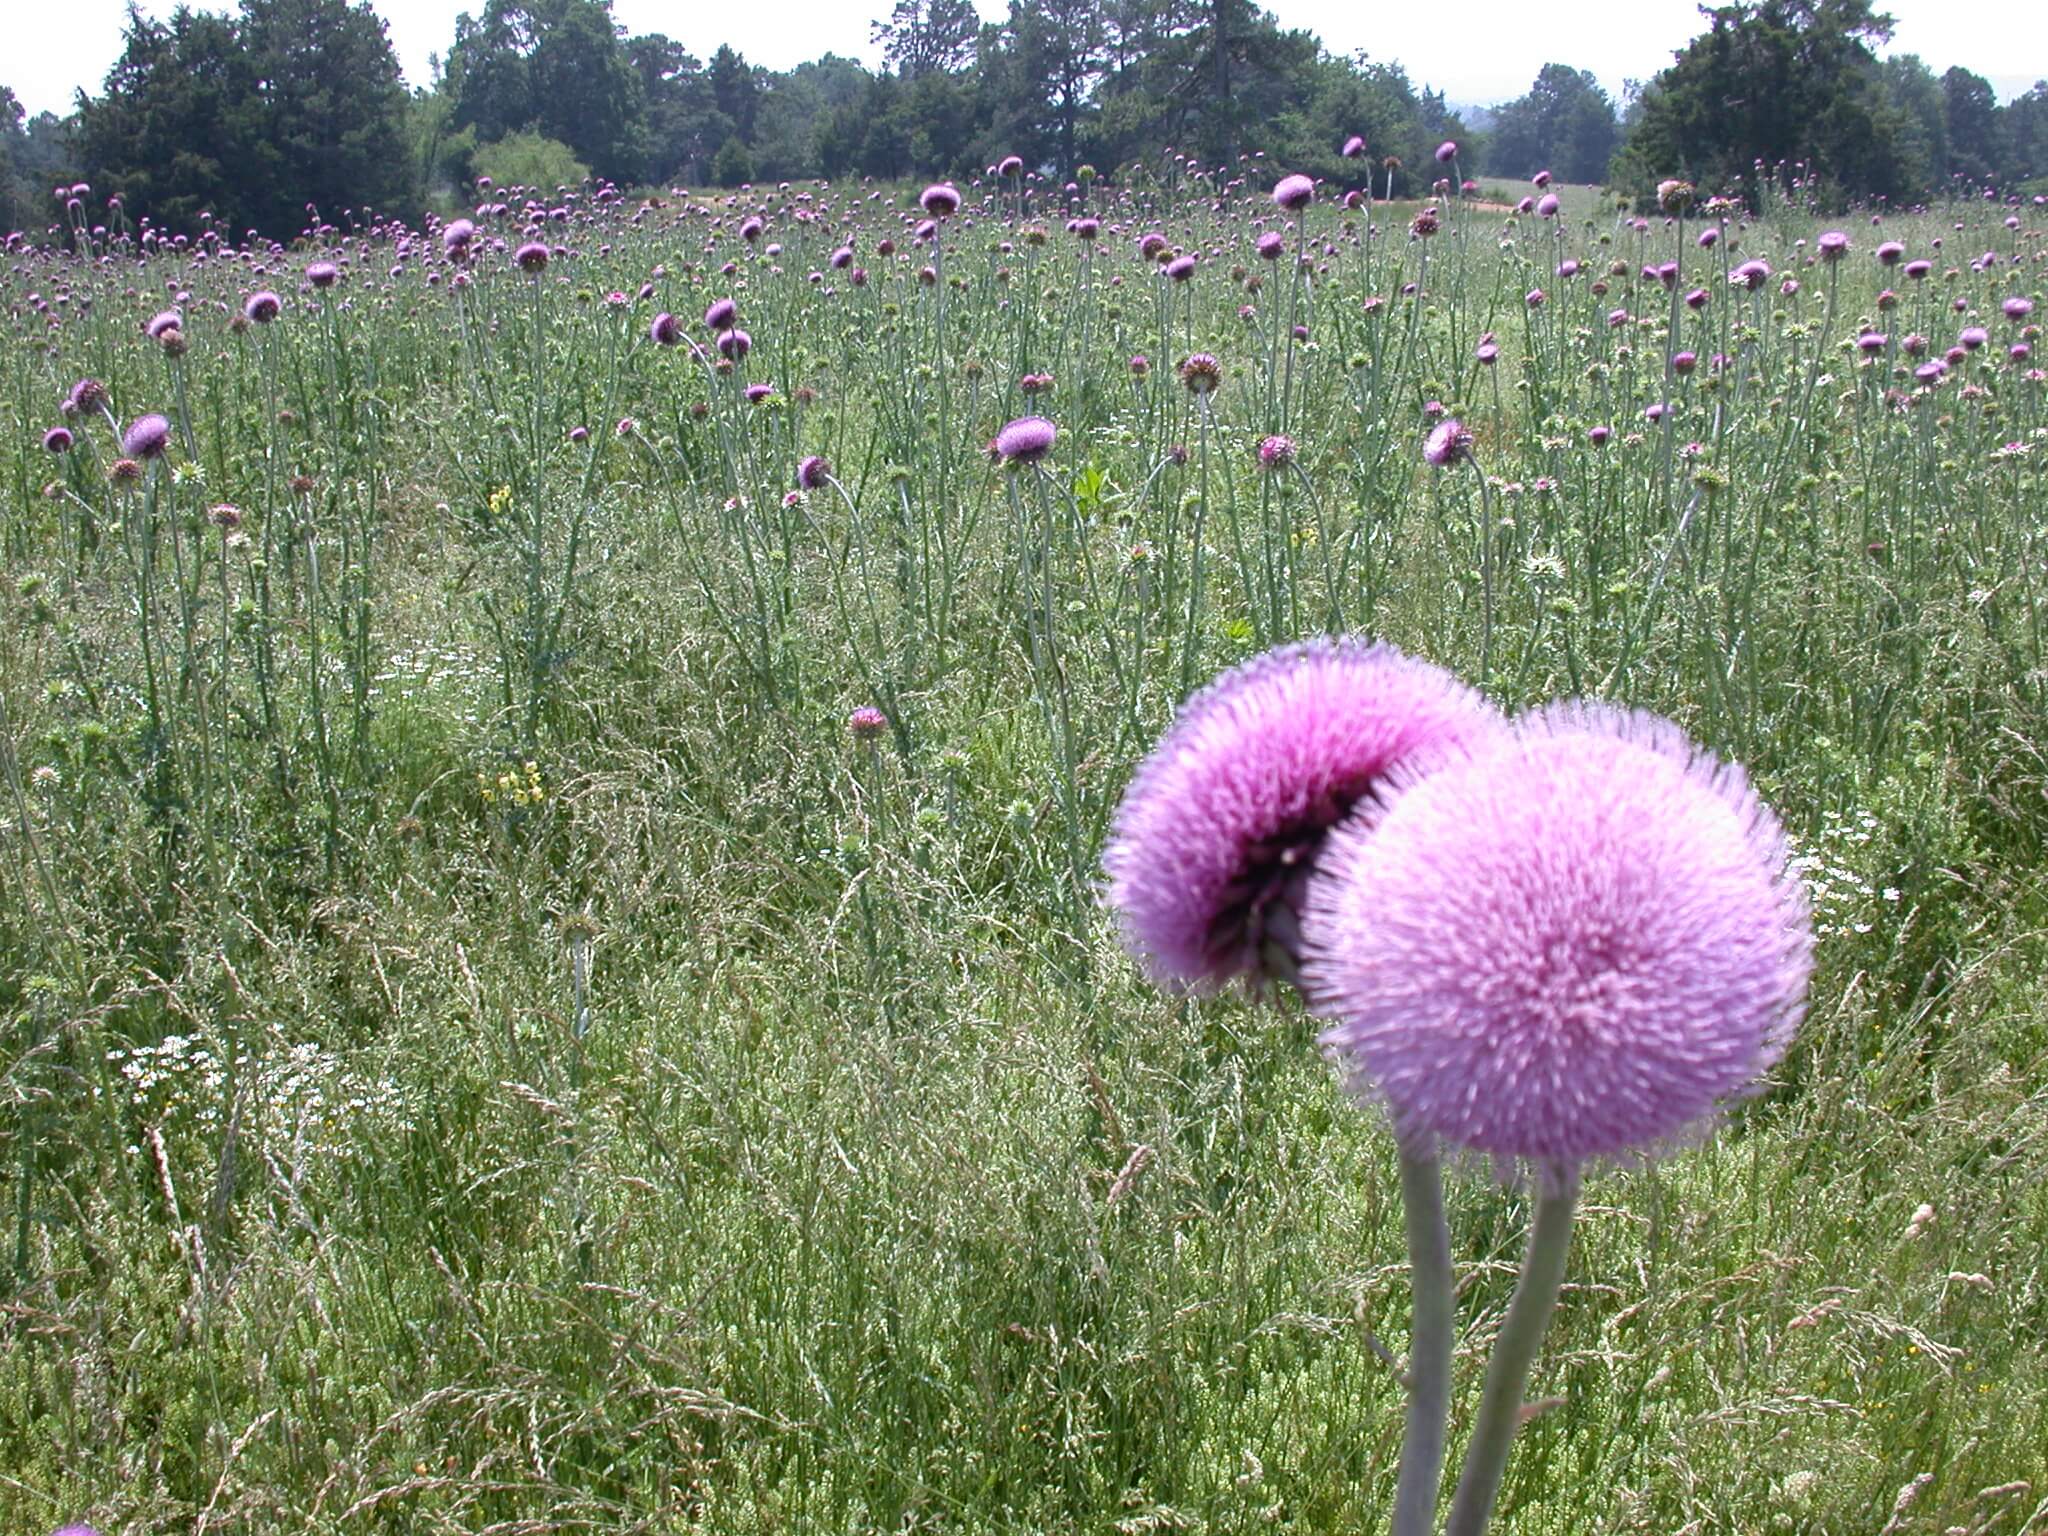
(1573, 945)
(1221, 826)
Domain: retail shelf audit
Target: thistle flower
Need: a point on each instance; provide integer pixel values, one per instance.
(1353, 147)
(1201, 373)
(812, 472)
(940, 200)
(1674, 196)
(734, 344)
(166, 320)
(1026, 440)
(1448, 442)
(456, 237)
(1011, 165)
(1574, 944)
(867, 723)
(262, 306)
(147, 437)
(1270, 246)
(323, 274)
(57, 440)
(1294, 193)
(531, 257)
(1276, 452)
(1180, 269)
(1832, 246)
(721, 314)
(1547, 206)
(1446, 152)
(1219, 831)
(666, 331)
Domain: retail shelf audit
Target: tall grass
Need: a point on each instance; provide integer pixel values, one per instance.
(488, 1050)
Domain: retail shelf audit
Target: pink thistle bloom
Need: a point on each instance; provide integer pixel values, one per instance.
(1219, 830)
(1446, 152)
(867, 723)
(147, 437)
(1294, 193)
(1277, 451)
(940, 200)
(1270, 245)
(720, 315)
(812, 472)
(1448, 442)
(1353, 147)
(1026, 440)
(2017, 309)
(1575, 944)
(1547, 206)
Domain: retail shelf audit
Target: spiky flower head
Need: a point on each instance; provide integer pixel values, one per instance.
(867, 723)
(262, 306)
(1294, 193)
(1276, 452)
(812, 472)
(147, 437)
(1201, 373)
(1674, 196)
(531, 257)
(1026, 440)
(1218, 834)
(1833, 245)
(1573, 944)
(939, 200)
(1448, 442)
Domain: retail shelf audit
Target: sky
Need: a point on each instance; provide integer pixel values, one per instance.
(1489, 52)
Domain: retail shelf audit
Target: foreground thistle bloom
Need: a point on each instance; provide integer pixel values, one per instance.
(262, 307)
(1026, 440)
(1448, 442)
(1294, 193)
(1277, 451)
(1219, 831)
(1574, 945)
(146, 438)
(1201, 373)
(812, 472)
(940, 200)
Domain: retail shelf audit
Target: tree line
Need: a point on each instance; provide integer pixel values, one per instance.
(289, 109)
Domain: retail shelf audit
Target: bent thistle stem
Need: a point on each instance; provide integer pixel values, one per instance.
(1514, 1352)
(1429, 1346)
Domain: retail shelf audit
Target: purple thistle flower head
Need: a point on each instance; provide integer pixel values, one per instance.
(2017, 309)
(734, 344)
(1891, 253)
(1294, 193)
(323, 274)
(1353, 147)
(1180, 269)
(531, 257)
(721, 314)
(165, 320)
(1540, 180)
(812, 472)
(867, 723)
(1918, 268)
(1010, 165)
(1201, 373)
(1446, 152)
(1448, 442)
(939, 200)
(1276, 452)
(147, 437)
(57, 440)
(1832, 245)
(1973, 336)
(1219, 831)
(1572, 945)
(1026, 440)
(756, 393)
(74, 1530)
(1547, 206)
(750, 229)
(666, 331)
(262, 306)
(1270, 245)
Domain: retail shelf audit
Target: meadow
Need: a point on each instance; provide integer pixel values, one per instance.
(556, 980)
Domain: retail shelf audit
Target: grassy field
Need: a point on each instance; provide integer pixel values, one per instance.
(489, 1050)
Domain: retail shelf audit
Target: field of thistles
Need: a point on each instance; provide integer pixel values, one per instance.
(577, 953)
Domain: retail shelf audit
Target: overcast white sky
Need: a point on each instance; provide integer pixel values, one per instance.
(1479, 52)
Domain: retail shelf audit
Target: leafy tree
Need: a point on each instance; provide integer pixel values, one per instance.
(17, 196)
(2026, 123)
(1059, 46)
(528, 160)
(684, 127)
(1916, 94)
(1976, 136)
(555, 67)
(1565, 124)
(1773, 81)
(335, 108)
(733, 165)
(923, 37)
(734, 90)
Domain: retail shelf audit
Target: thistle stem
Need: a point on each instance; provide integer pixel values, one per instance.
(1429, 1346)
(1514, 1352)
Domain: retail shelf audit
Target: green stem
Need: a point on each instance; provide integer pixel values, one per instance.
(1514, 1352)
(1429, 1346)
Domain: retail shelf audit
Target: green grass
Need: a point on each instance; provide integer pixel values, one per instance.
(850, 1178)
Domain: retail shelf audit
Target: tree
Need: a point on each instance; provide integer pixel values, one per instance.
(1565, 124)
(683, 126)
(1976, 136)
(554, 67)
(923, 37)
(1059, 46)
(2026, 123)
(1773, 81)
(335, 108)
(17, 198)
